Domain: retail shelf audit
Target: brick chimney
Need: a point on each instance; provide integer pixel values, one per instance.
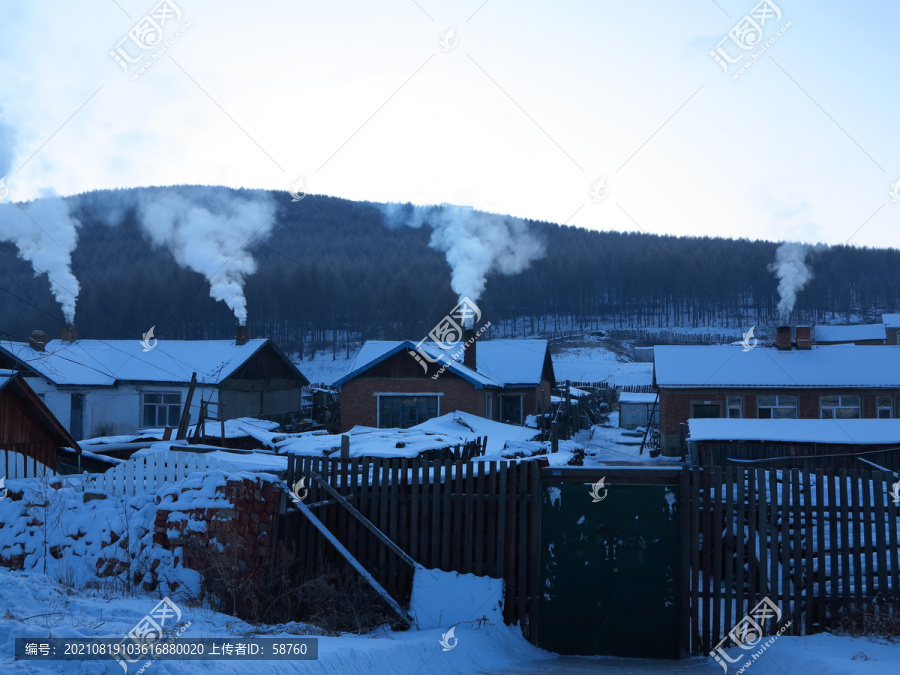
(783, 338)
(241, 335)
(38, 340)
(804, 337)
(469, 340)
(69, 334)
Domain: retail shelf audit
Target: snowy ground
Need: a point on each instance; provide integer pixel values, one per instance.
(611, 445)
(325, 367)
(35, 607)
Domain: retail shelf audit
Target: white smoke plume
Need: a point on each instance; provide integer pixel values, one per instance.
(474, 243)
(793, 274)
(209, 235)
(45, 235)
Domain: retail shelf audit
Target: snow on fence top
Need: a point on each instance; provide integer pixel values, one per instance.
(839, 432)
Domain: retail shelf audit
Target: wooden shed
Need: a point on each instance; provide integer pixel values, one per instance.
(638, 410)
(29, 433)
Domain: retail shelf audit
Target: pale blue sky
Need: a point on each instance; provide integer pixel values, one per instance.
(532, 105)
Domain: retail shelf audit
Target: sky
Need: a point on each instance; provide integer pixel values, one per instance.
(605, 115)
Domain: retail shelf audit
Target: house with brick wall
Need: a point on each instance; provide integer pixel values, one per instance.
(891, 328)
(391, 385)
(792, 379)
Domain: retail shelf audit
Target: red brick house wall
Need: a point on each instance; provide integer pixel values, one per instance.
(402, 374)
(675, 406)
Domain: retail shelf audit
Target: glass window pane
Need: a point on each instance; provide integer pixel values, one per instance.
(850, 401)
(171, 398)
(784, 413)
(149, 415)
(734, 401)
(764, 413)
(847, 413)
(829, 400)
(887, 401)
(734, 413)
(884, 413)
(787, 400)
(152, 398)
(827, 413)
(766, 400)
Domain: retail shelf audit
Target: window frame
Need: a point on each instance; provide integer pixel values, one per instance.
(417, 395)
(161, 404)
(778, 405)
(881, 405)
(521, 398)
(839, 405)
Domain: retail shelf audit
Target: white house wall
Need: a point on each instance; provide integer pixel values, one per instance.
(114, 410)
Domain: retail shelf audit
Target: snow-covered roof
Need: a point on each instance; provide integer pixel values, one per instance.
(842, 432)
(892, 320)
(630, 397)
(865, 331)
(730, 366)
(500, 363)
(104, 362)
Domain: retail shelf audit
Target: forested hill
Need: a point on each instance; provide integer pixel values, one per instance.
(331, 264)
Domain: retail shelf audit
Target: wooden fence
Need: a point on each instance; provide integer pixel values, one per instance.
(822, 547)
(471, 517)
(804, 456)
(141, 474)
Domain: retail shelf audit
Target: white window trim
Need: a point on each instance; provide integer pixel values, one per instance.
(379, 394)
(778, 405)
(181, 397)
(834, 408)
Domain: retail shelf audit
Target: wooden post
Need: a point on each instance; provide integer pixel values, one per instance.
(554, 437)
(222, 422)
(186, 413)
(568, 411)
(345, 447)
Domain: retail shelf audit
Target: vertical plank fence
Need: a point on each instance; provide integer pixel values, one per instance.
(823, 547)
(481, 518)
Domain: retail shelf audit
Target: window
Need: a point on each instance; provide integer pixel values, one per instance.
(161, 410)
(701, 411)
(489, 406)
(777, 407)
(735, 407)
(511, 409)
(405, 411)
(840, 407)
(884, 407)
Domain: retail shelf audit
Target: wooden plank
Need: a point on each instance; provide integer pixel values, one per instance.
(785, 548)
(365, 506)
(522, 537)
(740, 550)
(705, 527)
(717, 507)
(753, 554)
(468, 563)
(350, 488)
(384, 498)
(458, 513)
(854, 489)
(821, 577)
(868, 522)
(834, 578)
(492, 498)
(535, 548)
(414, 508)
(893, 515)
(881, 488)
(509, 555)
(446, 492)
(762, 540)
(481, 513)
(808, 553)
(797, 549)
(393, 492)
(843, 487)
(684, 572)
(502, 487)
(697, 495)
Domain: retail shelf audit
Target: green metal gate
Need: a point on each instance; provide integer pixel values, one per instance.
(611, 561)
